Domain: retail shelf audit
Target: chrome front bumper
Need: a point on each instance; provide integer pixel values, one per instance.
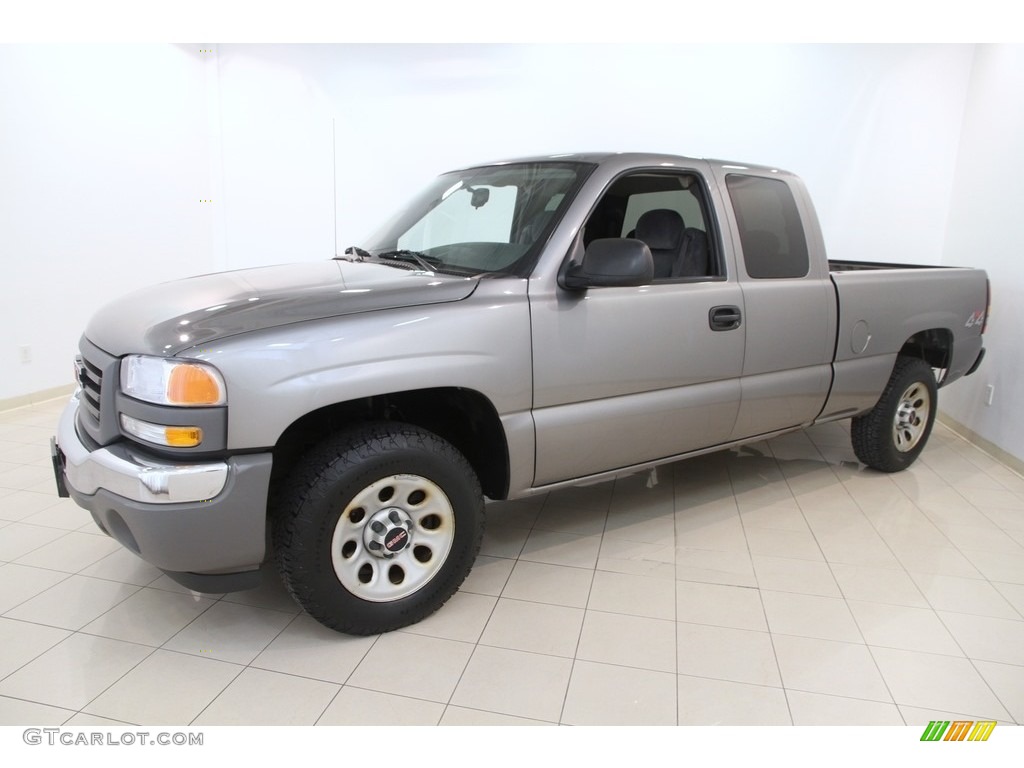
(131, 475)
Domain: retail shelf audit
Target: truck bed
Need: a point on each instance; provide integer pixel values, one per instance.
(880, 313)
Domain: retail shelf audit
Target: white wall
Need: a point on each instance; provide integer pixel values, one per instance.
(986, 229)
(104, 156)
(105, 152)
(872, 129)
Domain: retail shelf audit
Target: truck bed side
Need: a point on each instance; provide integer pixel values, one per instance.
(883, 309)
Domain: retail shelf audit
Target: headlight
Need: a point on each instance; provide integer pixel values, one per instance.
(171, 382)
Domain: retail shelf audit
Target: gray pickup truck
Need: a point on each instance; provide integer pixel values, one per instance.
(520, 326)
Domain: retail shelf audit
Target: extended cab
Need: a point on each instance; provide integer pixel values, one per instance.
(518, 327)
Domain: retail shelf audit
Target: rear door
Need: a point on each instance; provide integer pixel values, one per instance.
(623, 376)
(788, 299)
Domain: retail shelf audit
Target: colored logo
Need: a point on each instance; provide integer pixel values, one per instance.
(976, 318)
(958, 730)
(396, 542)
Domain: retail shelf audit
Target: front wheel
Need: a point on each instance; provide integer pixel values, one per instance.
(892, 435)
(377, 527)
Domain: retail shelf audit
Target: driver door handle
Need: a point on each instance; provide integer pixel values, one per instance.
(724, 318)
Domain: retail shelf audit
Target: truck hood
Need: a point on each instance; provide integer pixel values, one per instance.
(170, 317)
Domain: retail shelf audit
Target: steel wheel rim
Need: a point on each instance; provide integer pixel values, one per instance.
(912, 415)
(360, 551)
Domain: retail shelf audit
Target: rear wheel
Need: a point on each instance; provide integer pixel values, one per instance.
(892, 435)
(377, 527)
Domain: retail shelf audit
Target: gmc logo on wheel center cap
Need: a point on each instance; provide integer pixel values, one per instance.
(397, 541)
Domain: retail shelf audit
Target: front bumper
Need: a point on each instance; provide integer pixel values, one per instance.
(202, 523)
(127, 471)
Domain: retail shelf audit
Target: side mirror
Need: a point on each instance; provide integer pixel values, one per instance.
(611, 262)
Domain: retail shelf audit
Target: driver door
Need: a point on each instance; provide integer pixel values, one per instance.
(625, 376)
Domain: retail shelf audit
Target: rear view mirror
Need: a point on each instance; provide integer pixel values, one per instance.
(480, 197)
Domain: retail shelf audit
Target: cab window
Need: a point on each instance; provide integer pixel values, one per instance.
(668, 212)
(771, 233)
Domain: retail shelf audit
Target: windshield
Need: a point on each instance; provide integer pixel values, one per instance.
(481, 220)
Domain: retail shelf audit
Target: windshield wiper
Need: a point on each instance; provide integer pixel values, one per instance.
(354, 253)
(421, 259)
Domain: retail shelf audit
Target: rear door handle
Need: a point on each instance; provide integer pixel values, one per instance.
(724, 318)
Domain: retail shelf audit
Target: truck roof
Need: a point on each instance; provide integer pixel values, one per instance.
(625, 159)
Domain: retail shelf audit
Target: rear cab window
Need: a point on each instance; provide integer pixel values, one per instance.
(771, 232)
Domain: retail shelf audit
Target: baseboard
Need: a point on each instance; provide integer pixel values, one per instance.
(993, 450)
(34, 398)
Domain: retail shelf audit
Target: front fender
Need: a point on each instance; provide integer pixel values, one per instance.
(276, 376)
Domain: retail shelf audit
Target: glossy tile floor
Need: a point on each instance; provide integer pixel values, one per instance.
(774, 585)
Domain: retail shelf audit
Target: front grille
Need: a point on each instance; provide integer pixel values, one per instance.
(97, 376)
(91, 378)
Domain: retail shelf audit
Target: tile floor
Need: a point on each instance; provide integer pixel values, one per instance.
(776, 584)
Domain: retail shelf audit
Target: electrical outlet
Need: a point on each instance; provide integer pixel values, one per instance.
(990, 394)
(26, 353)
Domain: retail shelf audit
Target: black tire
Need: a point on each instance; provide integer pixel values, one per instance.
(892, 435)
(360, 578)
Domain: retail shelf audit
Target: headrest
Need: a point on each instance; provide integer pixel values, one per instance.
(661, 229)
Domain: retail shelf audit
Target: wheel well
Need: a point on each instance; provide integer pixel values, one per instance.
(463, 417)
(934, 346)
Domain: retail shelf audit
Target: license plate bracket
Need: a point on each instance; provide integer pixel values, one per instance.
(57, 456)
